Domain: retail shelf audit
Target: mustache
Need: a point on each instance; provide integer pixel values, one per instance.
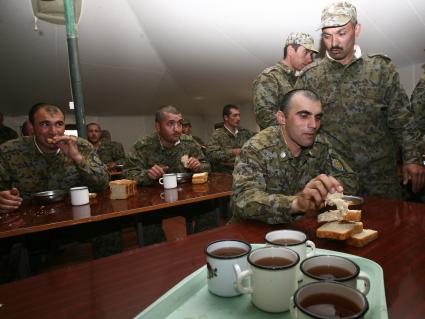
(336, 47)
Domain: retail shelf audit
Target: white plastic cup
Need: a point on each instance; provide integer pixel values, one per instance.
(79, 195)
(168, 180)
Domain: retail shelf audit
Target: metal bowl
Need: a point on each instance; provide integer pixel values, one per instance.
(184, 177)
(353, 200)
(52, 196)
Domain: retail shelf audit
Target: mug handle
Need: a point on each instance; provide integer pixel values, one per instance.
(312, 246)
(292, 310)
(366, 283)
(240, 276)
(161, 181)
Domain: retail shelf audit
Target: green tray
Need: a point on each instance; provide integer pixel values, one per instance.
(190, 298)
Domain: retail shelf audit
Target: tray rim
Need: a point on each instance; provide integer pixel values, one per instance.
(171, 295)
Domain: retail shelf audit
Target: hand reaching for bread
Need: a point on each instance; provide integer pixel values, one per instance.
(191, 163)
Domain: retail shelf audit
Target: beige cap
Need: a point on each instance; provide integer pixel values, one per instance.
(338, 14)
(303, 39)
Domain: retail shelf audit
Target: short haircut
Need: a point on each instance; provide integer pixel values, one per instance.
(227, 108)
(285, 49)
(51, 109)
(285, 105)
(93, 123)
(159, 115)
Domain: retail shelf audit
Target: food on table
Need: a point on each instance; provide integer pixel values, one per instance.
(200, 178)
(363, 238)
(339, 230)
(122, 188)
(336, 215)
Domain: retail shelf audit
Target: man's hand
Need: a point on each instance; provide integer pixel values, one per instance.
(68, 145)
(236, 151)
(415, 173)
(10, 200)
(193, 164)
(313, 196)
(157, 171)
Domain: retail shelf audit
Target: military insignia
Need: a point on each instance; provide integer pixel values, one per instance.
(283, 154)
(337, 164)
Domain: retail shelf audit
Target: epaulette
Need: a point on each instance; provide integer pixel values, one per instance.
(379, 55)
(186, 138)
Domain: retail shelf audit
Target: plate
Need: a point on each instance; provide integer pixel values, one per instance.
(51, 196)
(190, 298)
(353, 200)
(184, 177)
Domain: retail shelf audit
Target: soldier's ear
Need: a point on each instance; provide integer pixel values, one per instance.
(157, 127)
(280, 118)
(357, 29)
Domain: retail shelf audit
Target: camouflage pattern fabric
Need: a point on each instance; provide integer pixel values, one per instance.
(24, 167)
(366, 117)
(301, 38)
(267, 175)
(220, 145)
(6, 134)
(111, 152)
(418, 104)
(198, 140)
(338, 14)
(268, 91)
(148, 152)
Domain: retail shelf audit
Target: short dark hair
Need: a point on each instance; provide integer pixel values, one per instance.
(159, 115)
(285, 49)
(51, 109)
(227, 108)
(287, 98)
(94, 123)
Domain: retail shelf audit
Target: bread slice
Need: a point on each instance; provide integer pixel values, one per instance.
(339, 230)
(122, 188)
(363, 238)
(185, 159)
(200, 178)
(336, 215)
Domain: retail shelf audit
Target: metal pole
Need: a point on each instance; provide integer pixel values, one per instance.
(74, 68)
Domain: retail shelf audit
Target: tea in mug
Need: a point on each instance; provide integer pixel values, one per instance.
(228, 251)
(329, 272)
(286, 241)
(273, 262)
(330, 305)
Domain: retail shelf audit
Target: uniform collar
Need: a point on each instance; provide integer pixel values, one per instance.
(39, 149)
(163, 147)
(357, 53)
(287, 154)
(234, 134)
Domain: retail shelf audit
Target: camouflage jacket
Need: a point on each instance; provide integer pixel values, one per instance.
(366, 116)
(268, 91)
(6, 134)
(220, 145)
(148, 152)
(111, 152)
(24, 167)
(418, 104)
(267, 175)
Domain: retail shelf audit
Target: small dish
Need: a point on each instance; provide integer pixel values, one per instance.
(184, 177)
(51, 196)
(353, 200)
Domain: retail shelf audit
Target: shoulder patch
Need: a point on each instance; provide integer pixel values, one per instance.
(337, 164)
(379, 55)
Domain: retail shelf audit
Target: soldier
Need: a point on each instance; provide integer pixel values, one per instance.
(110, 153)
(418, 103)
(289, 168)
(160, 153)
(274, 82)
(27, 129)
(6, 133)
(225, 143)
(367, 110)
(187, 129)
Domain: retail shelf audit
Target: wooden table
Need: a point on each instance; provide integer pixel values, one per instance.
(121, 286)
(33, 217)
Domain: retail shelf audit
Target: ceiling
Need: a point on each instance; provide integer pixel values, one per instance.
(196, 54)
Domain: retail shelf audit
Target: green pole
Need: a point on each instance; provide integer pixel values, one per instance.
(74, 68)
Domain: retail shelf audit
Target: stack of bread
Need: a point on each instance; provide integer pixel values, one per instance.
(122, 188)
(343, 223)
(200, 178)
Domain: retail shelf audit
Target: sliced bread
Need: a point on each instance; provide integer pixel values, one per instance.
(363, 238)
(336, 215)
(339, 230)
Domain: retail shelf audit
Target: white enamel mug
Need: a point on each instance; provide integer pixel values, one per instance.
(335, 268)
(222, 255)
(292, 239)
(79, 195)
(271, 285)
(168, 180)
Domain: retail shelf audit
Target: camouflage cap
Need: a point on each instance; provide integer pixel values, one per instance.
(303, 39)
(337, 14)
(186, 122)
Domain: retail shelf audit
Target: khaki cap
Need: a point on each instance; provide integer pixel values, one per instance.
(338, 14)
(303, 39)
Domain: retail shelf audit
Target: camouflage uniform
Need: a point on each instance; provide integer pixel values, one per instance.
(6, 134)
(366, 117)
(111, 152)
(220, 145)
(274, 82)
(268, 91)
(418, 104)
(148, 151)
(24, 167)
(267, 175)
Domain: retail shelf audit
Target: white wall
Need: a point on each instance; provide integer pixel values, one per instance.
(409, 76)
